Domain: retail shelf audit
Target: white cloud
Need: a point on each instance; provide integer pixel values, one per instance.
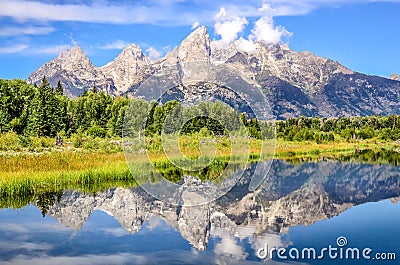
(122, 258)
(116, 232)
(18, 246)
(167, 48)
(271, 240)
(228, 250)
(116, 45)
(228, 27)
(57, 49)
(14, 228)
(97, 12)
(195, 25)
(24, 10)
(246, 45)
(159, 12)
(16, 31)
(73, 41)
(153, 223)
(153, 53)
(13, 49)
(27, 49)
(265, 32)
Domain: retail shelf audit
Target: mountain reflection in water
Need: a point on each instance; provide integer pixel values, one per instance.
(292, 195)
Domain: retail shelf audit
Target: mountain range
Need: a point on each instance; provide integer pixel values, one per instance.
(295, 83)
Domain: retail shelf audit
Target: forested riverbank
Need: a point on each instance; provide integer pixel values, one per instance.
(31, 117)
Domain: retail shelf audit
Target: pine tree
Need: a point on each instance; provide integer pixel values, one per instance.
(45, 82)
(47, 112)
(59, 89)
(94, 89)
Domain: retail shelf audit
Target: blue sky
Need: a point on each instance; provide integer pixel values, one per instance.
(364, 35)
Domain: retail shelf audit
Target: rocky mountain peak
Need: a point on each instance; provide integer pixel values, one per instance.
(395, 76)
(74, 52)
(74, 59)
(126, 69)
(75, 72)
(196, 46)
(133, 52)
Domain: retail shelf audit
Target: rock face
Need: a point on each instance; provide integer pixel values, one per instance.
(395, 77)
(75, 72)
(128, 68)
(196, 47)
(296, 83)
(301, 69)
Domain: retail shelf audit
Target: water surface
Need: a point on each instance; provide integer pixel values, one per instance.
(298, 206)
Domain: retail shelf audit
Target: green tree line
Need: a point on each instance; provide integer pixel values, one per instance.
(45, 111)
(386, 128)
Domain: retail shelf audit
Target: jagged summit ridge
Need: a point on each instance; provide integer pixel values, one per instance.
(296, 83)
(196, 47)
(75, 71)
(126, 69)
(69, 58)
(301, 69)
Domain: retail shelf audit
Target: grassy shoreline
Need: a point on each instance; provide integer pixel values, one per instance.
(51, 163)
(26, 174)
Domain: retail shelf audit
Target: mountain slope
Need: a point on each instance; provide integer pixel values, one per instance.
(296, 83)
(75, 72)
(300, 69)
(359, 94)
(127, 69)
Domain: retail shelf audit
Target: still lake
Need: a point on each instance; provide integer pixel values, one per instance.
(310, 205)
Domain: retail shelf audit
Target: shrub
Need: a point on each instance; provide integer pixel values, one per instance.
(96, 131)
(9, 141)
(25, 141)
(91, 143)
(366, 133)
(78, 140)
